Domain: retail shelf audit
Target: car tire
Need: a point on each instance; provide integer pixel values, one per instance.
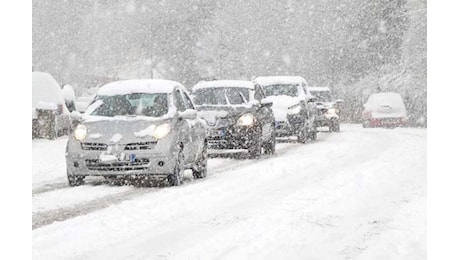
(176, 178)
(255, 148)
(366, 124)
(335, 126)
(270, 146)
(75, 180)
(302, 135)
(201, 167)
(313, 134)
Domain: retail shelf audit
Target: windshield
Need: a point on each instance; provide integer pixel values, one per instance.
(145, 104)
(281, 90)
(322, 96)
(221, 96)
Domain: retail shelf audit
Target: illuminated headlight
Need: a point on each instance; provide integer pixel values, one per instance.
(161, 131)
(332, 111)
(80, 132)
(246, 120)
(294, 110)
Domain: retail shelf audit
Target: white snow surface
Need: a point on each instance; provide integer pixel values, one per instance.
(319, 89)
(272, 80)
(224, 83)
(357, 194)
(68, 92)
(281, 105)
(137, 86)
(116, 138)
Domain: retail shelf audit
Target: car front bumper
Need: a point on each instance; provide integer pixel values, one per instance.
(93, 162)
(229, 138)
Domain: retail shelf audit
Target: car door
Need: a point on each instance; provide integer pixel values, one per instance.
(264, 113)
(183, 124)
(311, 106)
(198, 130)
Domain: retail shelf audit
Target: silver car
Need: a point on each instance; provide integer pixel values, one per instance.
(142, 128)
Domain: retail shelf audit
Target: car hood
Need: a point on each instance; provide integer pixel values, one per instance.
(326, 105)
(281, 105)
(120, 130)
(213, 114)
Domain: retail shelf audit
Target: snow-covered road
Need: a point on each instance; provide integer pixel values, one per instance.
(357, 194)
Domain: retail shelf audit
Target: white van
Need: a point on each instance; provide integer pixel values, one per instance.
(50, 116)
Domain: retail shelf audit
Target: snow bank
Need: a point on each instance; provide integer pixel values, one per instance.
(45, 90)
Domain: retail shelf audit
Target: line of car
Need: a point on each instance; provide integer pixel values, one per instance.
(156, 129)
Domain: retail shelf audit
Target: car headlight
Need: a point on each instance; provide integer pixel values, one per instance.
(294, 110)
(246, 120)
(80, 132)
(332, 111)
(161, 131)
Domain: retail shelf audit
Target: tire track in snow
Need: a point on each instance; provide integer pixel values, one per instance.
(44, 218)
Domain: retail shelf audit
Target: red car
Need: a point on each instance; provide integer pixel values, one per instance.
(384, 109)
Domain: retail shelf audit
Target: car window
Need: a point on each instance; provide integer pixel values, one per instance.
(234, 96)
(221, 96)
(258, 94)
(322, 96)
(145, 104)
(179, 102)
(188, 102)
(282, 89)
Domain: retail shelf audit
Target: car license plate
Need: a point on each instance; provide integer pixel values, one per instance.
(218, 133)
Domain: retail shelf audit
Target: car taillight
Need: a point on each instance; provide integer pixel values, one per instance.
(367, 114)
(60, 109)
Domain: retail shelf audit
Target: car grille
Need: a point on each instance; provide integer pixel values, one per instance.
(138, 164)
(140, 146)
(128, 147)
(94, 146)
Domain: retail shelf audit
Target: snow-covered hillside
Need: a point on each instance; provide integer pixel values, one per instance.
(357, 194)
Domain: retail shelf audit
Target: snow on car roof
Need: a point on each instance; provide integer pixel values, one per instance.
(138, 86)
(385, 98)
(224, 83)
(319, 89)
(271, 80)
(68, 92)
(45, 89)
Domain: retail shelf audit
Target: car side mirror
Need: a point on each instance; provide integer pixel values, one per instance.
(266, 103)
(188, 114)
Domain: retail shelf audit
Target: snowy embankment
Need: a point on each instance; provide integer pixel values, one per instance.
(357, 194)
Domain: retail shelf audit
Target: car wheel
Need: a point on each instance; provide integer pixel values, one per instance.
(366, 124)
(75, 180)
(302, 136)
(176, 178)
(255, 148)
(335, 126)
(270, 146)
(313, 134)
(201, 166)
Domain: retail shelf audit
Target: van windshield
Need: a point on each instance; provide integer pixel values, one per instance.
(281, 90)
(322, 96)
(144, 104)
